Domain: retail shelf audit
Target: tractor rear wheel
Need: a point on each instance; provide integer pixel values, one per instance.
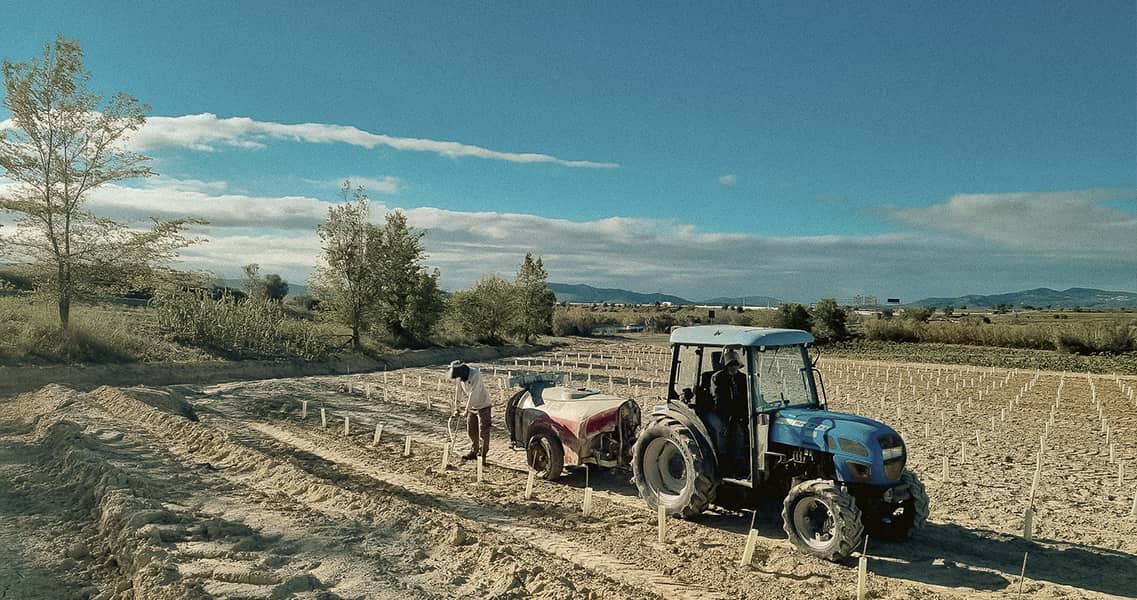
(671, 469)
(545, 455)
(822, 520)
(903, 518)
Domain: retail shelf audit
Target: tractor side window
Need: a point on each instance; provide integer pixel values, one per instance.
(687, 375)
(782, 377)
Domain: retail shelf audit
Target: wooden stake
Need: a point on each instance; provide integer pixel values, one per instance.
(529, 484)
(407, 446)
(662, 518)
(445, 456)
(586, 505)
(1022, 575)
(863, 571)
(378, 434)
(323, 418)
(751, 542)
(945, 472)
(346, 426)
(481, 468)
(862, 576)
(1028, 524)
(303, 409)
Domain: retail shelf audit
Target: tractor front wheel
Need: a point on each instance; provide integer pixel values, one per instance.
(671, 469)
(822, 520)
(545, 455)
(900, 520)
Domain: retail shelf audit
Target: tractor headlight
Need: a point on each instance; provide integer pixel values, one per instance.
(892, 453)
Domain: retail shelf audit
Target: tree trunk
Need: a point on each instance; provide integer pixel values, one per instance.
(64, 282)
(355, 336)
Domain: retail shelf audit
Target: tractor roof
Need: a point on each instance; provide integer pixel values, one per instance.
(735, 335)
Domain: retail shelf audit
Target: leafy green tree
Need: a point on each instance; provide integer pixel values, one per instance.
(346, 282)
(793, 316)
(65, 142)
(267, 287)
(276, 288)
(535, 301)
(409, 301)
(830, 321)
(485, 311)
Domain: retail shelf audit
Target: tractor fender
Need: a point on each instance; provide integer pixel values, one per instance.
(691, 421)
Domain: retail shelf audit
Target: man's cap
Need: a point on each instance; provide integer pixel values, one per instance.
(730, 357)
(455, 369)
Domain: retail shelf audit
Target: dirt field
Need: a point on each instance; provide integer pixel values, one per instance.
(225, 491)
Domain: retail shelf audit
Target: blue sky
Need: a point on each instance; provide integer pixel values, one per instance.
(796, 150)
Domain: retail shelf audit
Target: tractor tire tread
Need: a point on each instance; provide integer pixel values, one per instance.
(704, 488)
(920, 496)
(847, 513)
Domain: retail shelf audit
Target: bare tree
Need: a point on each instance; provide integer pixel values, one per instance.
(64, 141)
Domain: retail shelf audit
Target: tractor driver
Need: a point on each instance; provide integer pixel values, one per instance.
(729, 417)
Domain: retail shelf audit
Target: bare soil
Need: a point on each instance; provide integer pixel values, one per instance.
(121, 493)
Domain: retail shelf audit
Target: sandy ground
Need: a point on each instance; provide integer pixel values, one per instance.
(224, 491)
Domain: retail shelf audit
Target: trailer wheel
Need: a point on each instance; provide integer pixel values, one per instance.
(822, 520)
(670, 469)
(545, 455)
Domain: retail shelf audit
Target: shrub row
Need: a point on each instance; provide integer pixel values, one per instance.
(1074, 339)
(255, 328)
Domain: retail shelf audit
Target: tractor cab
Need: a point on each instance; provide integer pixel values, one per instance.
(774, 372)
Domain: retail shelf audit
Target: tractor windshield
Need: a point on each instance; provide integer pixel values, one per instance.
(783, 377)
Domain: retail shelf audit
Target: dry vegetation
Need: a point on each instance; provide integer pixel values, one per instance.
(254, 501)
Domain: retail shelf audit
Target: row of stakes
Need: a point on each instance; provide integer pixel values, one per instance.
(1027, 520)
(750, 543)
(588, 493)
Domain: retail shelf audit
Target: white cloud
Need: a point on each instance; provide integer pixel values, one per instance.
(1068, 222)
(206, 131)
(196, 185)
(968, 244)
(728, 179)
(375, 185)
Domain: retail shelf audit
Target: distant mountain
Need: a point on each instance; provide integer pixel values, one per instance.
(743, 301)
(1041, 298)
(567, 292)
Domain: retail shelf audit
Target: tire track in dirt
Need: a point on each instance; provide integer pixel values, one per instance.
(260, 470)
(545, 540)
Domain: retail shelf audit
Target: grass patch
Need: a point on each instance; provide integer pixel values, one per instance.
(30, 334)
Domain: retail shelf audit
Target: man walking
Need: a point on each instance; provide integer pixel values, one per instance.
(470, 392)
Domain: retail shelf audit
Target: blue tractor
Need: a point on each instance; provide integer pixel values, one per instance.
(743, 413)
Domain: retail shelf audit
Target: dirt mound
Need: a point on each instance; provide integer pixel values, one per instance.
(166, 400)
